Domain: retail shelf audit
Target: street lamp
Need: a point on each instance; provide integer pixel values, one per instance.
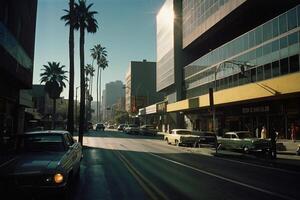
(242, 65)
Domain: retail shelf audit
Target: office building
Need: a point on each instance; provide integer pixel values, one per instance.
(140, 86)
(17, 38)
(221, 39)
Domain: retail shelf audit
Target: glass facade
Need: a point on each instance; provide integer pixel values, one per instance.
(199, 15)
(272, 48)
(165, 46)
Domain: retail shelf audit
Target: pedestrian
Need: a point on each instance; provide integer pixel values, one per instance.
(257, 132)
(273, 151)
(293, 132)
(263, 134)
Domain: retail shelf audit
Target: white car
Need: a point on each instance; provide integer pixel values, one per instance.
(181, 137)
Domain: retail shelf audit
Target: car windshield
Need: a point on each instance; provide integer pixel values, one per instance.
(243, 135)
(184, 132)
(40, 143)
(133, 125)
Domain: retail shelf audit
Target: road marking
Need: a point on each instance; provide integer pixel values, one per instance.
(224, 178)
(261, 166)
(9, 161)
(152, 191)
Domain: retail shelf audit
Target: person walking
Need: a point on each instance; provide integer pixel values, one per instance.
(273, 150)
(263, 134)
(293, 132)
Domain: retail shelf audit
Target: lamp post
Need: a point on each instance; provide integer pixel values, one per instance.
(76, 107)
(242, 65)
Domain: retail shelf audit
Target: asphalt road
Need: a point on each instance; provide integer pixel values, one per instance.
(119, 166)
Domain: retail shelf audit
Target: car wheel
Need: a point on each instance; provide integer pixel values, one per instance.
(167, 141)
(246, 149)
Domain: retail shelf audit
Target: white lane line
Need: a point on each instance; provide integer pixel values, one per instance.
(225, 179)
(261, 166)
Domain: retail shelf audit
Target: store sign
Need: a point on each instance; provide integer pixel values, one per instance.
(259, 109)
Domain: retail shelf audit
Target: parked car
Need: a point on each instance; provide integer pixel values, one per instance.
(148, 130)
(100, 127)
(44, 161)
(206, 138)
(90, 125)
(181, 137)
(121, 127)
(243, 140)
(132, 129)
(110, 126)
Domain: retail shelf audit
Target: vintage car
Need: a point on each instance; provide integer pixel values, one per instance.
(206, 138)
(148, 130)
(181, 137)
(132, 129)
(44, 162)
(100, 126)
(243, 140)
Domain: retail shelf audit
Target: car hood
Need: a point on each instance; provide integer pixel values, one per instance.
(31, 163)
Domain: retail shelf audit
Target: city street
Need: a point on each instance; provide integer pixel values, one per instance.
(120, 166)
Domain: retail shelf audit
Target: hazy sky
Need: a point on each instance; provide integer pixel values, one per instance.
(127, 28)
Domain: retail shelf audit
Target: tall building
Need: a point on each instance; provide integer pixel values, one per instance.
(140, 86)
(17, 37)
(221, 39)
(113, 92)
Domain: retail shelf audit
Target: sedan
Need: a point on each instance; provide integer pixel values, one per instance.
(148, 130)
(243, 140)
(44, 162)
(206, 138)
(181, 137)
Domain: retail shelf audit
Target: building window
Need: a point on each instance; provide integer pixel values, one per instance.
(293, 38)
(298, 13)
(294, 63)
(284, 66)
(258, 52)
(282, 24)
(258, 35)
(267, 71)
(260, 73)
(283, 42)
(275, 69)
(253, 75)
(251, 39)
(275, 45)
(292, 19)
(275, 27)
(267, 31)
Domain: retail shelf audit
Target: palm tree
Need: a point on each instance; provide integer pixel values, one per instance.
(84, 21)
(69, 19)
(99, 54)
(53, 76)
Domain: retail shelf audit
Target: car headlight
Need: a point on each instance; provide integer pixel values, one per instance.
(58, 178)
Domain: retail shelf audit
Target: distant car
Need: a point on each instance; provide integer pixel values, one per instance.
(45, 161)
(243, 140)
(181, 137)
(148, 130)
(90, 126)
(206, 138)
(121, 127)
(100, 127)
(132, 129)
(110, 126)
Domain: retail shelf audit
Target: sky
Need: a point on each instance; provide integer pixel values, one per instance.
(127, 29)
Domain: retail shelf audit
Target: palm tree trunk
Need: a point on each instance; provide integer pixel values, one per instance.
(100, 100)
(54, 114)
(82, 86)
(70, 125)
(98, 94)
